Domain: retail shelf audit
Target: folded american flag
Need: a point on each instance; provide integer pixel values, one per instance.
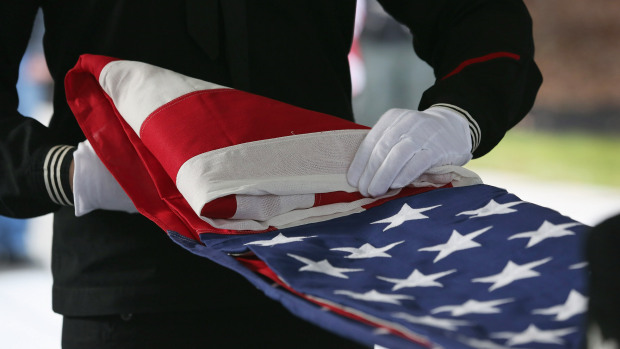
(259, 186)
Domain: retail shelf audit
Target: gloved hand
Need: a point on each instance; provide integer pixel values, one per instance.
(404, 144)
(94, 187)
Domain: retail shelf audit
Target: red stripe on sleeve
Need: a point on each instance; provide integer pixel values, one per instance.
(481, 59)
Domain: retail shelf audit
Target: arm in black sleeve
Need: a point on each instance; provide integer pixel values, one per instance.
(34, 173)
(482, 53)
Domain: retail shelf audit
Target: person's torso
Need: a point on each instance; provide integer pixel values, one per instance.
(294, 52)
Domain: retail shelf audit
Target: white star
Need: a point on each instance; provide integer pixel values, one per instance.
(492, 208)
(456, 242)
(406, 213)
(446, 324)
(534, 334)
(578, 265)
(417, 279)
(375, 296)
(279, 239)
(547, 230)
(323, 267)
(575, 304)
(512, 272)
(473, 306)
(367, 251)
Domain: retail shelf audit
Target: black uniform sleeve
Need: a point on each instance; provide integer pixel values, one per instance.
(482, 53)
(34, 172)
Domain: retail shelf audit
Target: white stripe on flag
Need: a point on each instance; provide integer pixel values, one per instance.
(138, 89)
(300, 164)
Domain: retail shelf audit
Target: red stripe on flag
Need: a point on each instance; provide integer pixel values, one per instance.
(180, 129)
(94, 63)
(322, 199)
(481, 59)
(224, 207)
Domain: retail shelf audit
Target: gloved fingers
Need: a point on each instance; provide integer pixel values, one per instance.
(377, 159)
(380, 181)
(404, 144)
(390, 153)
(374, 137)
(414, 168)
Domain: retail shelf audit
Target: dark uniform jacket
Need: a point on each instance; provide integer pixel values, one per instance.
(293, 51)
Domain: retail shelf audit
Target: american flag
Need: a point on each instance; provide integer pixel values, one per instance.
(469, 267)
(453, 267)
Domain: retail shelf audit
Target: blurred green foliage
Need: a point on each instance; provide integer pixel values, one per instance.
(574, 156)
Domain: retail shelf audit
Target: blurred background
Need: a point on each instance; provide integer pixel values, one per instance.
(563, 155)
(566, 153)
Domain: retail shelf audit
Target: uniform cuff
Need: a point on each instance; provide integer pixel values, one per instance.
(56, 174)
(474, 129)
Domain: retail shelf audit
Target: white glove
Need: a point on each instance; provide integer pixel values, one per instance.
(94, 187)
(404, 144)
